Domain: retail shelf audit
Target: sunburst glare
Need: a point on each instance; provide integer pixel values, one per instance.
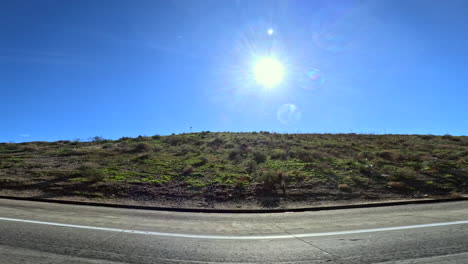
(268, 72)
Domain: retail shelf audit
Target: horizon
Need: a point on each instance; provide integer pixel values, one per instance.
(76, 70)
(99, 138)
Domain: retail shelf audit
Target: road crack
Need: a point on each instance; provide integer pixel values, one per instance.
(81, 251)
(304, 241)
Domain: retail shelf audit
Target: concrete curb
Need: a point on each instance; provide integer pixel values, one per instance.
(241, 211)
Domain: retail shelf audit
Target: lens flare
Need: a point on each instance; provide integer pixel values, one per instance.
(268, 72)
(288, 114)
(315, 79)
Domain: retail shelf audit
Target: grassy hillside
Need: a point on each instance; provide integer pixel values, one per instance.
(219, 167)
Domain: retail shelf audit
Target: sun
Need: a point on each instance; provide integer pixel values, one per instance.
(268, 72)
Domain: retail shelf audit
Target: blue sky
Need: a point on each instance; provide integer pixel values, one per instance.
(77, 69)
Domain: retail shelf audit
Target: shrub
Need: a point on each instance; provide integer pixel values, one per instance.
(141, 158)
(141, 147)
(203, 134)
(182, 150)
(96, 139)
(309, 156)
(344, 187)
(458, 154)
(215, 143)
(234, 154)
(242, 181)
(229, 146)
(30, 148)
(297, 176)
(259, 157)
(426, 137)
(173, 140)
(202, 161)
(366, 155)
(283, 179)
(396, 185)
(187, 170)
(141, 138)
(402, 174)
(250, 166)
(91, 173)
(243, 149)
(452, 138)
(279, 154)
(389, 155)
(69, 152)
(269, 179)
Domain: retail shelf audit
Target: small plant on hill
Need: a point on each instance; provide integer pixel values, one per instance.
(389, 155)
(344, 187)
(96, 139)
(30, 148)
(91, 173)
(215, 143)
(141, 147)
(244, 149)
(187, 170)
(250, 166)
(270, 179)
(259, 157)
(234, 155)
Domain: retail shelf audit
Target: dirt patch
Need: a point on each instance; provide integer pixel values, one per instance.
(214, 196)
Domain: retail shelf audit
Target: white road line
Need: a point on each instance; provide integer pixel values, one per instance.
(359, 231)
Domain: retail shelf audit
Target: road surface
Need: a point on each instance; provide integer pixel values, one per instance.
(36, 232)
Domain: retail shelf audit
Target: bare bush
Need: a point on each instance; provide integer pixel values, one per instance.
(270, 179)
(344, 187)
(396, 185)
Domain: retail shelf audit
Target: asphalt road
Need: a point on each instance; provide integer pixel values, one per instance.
(34, 232)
